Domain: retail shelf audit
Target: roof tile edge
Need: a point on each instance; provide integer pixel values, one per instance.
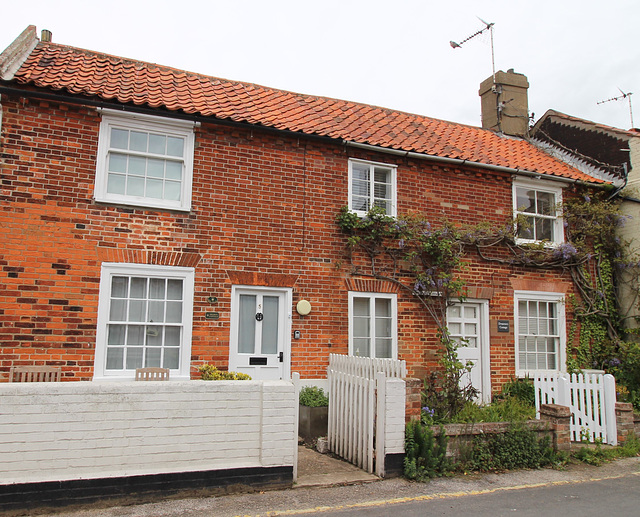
(17, 52)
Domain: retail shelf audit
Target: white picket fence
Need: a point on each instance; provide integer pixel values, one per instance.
(357, 409)
(592, 399)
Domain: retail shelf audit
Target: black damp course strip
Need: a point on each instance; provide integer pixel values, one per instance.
(394, 465)
(24, 498)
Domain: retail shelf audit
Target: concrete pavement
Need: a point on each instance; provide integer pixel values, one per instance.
(322, 470)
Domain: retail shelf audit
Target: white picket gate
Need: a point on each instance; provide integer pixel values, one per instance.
(356, 408)
(592, 399)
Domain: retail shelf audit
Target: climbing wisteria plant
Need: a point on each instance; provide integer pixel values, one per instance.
(411, 253)
(427, 258)
(424, 260)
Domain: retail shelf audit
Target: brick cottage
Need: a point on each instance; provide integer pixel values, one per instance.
(156, 217)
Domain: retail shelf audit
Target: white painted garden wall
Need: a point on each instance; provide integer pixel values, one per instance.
(394, 416)
(84, 430)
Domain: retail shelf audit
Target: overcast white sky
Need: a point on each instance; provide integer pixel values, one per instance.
(392, 53)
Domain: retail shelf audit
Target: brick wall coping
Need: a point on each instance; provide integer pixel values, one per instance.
(624, 406)
(478, 428)
(555, 410)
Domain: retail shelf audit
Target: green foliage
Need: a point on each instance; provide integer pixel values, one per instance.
(625, 367)
(594, 222)
(313, 396)
(427, 259)
(520, 389)
(409, 251)
(208, 372)
(443, 393)
(517, 448)
(597, 454)
(507, 409)
(425, 454)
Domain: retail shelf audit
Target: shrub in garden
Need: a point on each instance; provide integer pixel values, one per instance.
(516, 449)
(597, 455)
(208, 372)
(521, 389)
(626, 370)
(508, 409)
(313, 396)
(425, 454)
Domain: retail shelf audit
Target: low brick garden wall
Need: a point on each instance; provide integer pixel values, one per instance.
(554, 422)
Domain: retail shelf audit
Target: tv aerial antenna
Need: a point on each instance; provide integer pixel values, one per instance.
(487, 27)
(622, 97)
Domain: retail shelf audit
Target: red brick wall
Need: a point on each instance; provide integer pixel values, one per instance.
(264, 207)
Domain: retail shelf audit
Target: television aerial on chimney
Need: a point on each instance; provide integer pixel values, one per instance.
(487, 27)
(622, 97)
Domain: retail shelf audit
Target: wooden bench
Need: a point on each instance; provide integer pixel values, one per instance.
(152, 374)
(35, 374)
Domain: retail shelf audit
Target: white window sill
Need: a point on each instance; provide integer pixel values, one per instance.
(523, 374)
(131, 203)
(546, 244)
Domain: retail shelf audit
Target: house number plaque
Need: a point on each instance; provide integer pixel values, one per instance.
(259, 316)
(212, 315)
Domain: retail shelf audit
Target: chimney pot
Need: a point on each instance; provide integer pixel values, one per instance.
(45, 36)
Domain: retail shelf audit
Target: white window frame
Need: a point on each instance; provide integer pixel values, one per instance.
(109, 270)
(146, 123)
(394, 320)
(392, 171)
(539, 296)
(546, 187)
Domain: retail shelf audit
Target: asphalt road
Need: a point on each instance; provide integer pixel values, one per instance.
(611, 490)
(619, 497)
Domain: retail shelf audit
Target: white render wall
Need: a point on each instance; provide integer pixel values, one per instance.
(79, 430)
(631, 232)
(394, 429)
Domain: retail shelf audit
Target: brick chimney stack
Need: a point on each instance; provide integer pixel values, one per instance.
(505, 105)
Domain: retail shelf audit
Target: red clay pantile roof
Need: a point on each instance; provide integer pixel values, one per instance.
(87, 73)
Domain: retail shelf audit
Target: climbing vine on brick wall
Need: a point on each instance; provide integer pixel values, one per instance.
(426, 258)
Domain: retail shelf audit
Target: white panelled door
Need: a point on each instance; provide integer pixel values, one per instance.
(468, 324)
(260, 343)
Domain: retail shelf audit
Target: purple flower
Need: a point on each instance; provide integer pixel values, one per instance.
(428, 411)
(622, 220)
(565, 251)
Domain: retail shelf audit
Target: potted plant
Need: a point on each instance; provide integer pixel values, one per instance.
(314, 413)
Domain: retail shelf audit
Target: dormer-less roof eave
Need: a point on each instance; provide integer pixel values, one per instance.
(98, 103)
(479, 165)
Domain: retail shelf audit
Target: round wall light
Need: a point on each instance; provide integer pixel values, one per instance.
(303, 307)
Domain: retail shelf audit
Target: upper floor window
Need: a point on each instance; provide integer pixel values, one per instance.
(372, 184)
(373, 325)
(144, 319)
(144, 161)
(536, 206)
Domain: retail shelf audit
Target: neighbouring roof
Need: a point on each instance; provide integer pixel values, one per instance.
(596, 149)
(92, 74)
